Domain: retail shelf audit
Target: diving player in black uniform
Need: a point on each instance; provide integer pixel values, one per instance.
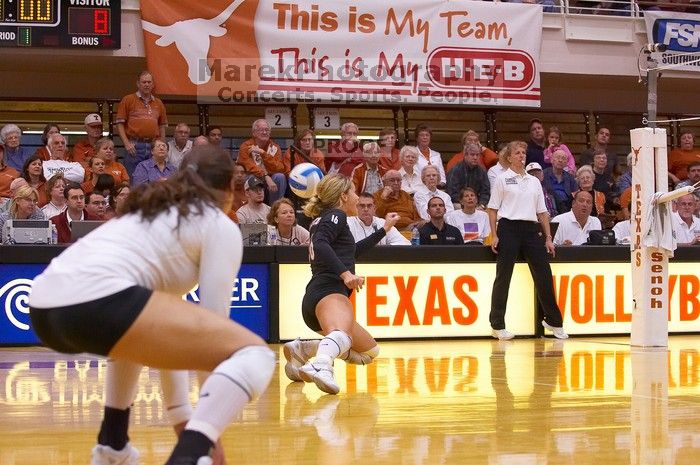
(326, 306)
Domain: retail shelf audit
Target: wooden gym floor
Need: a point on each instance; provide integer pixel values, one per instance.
(525, 402)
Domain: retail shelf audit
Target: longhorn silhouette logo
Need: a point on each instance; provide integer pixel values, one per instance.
(636, 155)
(192, 37)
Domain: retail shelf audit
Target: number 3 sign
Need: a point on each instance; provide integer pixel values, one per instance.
(326, 118)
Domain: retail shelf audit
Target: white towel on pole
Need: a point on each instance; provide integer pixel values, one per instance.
(660, 232)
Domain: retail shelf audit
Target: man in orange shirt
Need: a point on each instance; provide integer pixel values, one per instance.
(263, 158)
(392, 199)
(84, 149)
(679, 158)
(487, 159)
(141, 118)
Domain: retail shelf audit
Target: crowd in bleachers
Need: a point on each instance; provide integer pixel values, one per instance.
(583, 192)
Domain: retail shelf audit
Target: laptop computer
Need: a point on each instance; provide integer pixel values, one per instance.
(254, 233)
(80, 229)
(27, 232)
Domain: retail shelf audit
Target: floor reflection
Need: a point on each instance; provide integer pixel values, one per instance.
(522, 402)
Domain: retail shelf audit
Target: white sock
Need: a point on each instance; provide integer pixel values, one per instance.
(234, 382)
(121, 383)
(175, 385)
(331, 346)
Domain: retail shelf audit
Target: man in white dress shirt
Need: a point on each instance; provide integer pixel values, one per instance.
(575, 224)
(366, 223)
(430, 176)
(72, 170)
(686, 225)
(179, 145)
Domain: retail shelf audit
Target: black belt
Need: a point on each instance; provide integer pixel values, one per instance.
(142, 139)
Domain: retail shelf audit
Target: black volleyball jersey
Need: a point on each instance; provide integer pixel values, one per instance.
(332, 248)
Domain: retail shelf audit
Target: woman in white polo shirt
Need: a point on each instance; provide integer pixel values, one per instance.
(517, 202)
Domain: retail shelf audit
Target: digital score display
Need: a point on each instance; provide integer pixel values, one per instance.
(60, 23)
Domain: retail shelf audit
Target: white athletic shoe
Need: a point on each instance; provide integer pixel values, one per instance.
(558, 332)
(296, 358)
(320, 374)
(105, 455)
(205, 460)
(502, 334)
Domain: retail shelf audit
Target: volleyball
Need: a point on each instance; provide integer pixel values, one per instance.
(304, 178)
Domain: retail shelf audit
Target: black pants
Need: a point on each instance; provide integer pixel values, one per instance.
(525, 237)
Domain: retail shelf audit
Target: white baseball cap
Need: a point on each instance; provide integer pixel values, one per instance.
(93, 118)
(533, 166)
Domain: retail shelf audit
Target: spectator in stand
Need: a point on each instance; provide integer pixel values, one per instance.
(179, 145)
(693, 177)
(625, 180)
(96, 205)
(575, 225)
(49, 130)
(119, 196)
(141, 118)
(487, 157)
(536, 144)
(410, 177)
(389, 158)
(215, 135)
(497, 169)
(238, 179)
(104, 148)
(559, 182)
(602, 182)
(468, 173)
(282, 219)
(437, 231)
(33, 173)
(602, 139)
(430, 177)
(263, 158)
(472, 223)
(7, 175)
(105, 186)
(15, 153)
(427, 156)
(366, 223)
(255, 210)
(200, 141)
(84, 149)
(156, 167)
(96, 167)
(305, 151)
(346, 154)
(24, 207)
(534, 169)
(554, 144)
(393, 199)
(14, 187)
(687, 225)
(584, 179)
(367, 177)
(622, 232)
(57, 200)
(58, 151)
(75, 199)
(680, 157)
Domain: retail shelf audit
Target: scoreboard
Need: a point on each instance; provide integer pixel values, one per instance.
(60, 23)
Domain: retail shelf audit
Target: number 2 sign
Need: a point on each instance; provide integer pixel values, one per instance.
(279, 117)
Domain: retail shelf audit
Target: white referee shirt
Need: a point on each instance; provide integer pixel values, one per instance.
(127, 251)
(517, 196)
(570, 229)
(495, 171)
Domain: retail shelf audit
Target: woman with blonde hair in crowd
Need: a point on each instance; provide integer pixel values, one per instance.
(57, 199)
(410, 173)
(282, 225)
(24, 207)
(326, 305)
(305, 151)
(554, 144)
(15, 153)
(96, 167)
(33, 173)
(104, 148)
(584, 179)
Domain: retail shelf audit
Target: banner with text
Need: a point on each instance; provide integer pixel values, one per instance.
(414, 51)
(680, 33)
